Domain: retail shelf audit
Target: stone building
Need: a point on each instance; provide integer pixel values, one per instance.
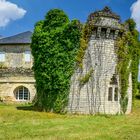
(16, 77)
(101, 94)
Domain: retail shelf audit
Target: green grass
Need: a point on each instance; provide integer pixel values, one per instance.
(30, 125)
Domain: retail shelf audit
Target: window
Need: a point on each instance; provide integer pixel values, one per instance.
(116, 94)
(2, 56)
(110, 94)
(22, 93)
(27, 56)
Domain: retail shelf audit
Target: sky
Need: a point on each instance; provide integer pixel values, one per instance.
(17, 16)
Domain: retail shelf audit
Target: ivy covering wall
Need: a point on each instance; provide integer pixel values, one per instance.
(58, 47)
(55, 43)
(128, 51)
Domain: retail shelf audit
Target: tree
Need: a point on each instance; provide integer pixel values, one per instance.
(55, 42)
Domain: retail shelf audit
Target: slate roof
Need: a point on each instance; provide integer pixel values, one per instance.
(22, 38)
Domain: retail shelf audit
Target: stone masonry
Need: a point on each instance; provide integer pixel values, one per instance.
(101, 94)
(16, 76)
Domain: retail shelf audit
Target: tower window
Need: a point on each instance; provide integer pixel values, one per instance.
(116, 94)
(110, 94)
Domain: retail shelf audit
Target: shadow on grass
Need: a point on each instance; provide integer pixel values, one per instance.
(28, 108)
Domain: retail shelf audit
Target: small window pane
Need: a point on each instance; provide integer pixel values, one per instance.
(116, 94)
(20, 95)
(25, 90)
(2, 56)
(25, 96)
(27, 56)
(110, 94)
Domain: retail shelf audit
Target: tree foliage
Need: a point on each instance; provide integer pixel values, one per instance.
(55, 42)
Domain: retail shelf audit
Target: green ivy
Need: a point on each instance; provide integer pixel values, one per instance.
(55, 43)
(128, 52)
(84, 40)
(83, 80)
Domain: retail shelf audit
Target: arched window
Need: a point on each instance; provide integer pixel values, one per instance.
(22, 93)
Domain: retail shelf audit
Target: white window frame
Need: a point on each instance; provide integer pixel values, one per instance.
(2, 56)
(23, 94)
(27, 56)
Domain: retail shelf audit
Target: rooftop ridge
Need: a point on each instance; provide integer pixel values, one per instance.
(24, 37)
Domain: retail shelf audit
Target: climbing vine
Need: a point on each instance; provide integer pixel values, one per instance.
(58, 47)
(128, 52)
(83, 80)
(55, 43)
(86, 33)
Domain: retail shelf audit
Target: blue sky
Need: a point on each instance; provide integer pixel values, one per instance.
(31, 11)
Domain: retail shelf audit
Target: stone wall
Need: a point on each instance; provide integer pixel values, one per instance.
(92, 97)
(101, 93)
(14, 55)
(9, 84)
(15, 72)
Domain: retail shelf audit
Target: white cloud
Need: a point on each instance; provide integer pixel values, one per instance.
(135, 13)
(9, 11)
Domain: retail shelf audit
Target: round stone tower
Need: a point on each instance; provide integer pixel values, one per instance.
(106, 24)
(101, 93)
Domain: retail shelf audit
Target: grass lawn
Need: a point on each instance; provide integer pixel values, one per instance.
(30, 125)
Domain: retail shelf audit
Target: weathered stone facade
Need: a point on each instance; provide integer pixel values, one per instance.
(16, 76)
(101, 94)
